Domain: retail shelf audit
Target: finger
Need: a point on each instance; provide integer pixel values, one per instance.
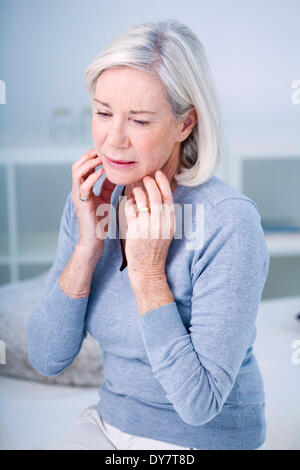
(86, 187)
(141, 198)
(86, 156)
(165, 189)
(154, 197)
(84, 170)
(130, 209)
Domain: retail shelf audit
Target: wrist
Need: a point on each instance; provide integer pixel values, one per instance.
(146, 280)
(152, 294)
(88, 253)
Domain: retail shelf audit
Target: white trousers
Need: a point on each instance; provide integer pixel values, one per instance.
(91, 432)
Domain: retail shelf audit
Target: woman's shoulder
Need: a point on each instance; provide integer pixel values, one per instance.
(220, 198)
(231, 227)
(219, 218)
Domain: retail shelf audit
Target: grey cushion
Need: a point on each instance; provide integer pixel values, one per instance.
(17, 301)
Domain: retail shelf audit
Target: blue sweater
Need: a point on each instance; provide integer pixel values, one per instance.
(184, 373)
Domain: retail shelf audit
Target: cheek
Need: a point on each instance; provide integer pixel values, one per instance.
(152, 143)
(151, 149)
(97, 131)
(157, 148)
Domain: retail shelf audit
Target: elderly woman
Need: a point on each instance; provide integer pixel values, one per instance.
(173, 303)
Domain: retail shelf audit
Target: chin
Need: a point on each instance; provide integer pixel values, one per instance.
(117, 177)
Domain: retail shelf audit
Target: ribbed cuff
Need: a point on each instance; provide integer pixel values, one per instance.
(160, 325)
(63, 308)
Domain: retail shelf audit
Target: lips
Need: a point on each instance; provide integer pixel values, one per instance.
(120, 164)
(118, 161)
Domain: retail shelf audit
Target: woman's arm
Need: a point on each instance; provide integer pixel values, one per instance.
(198, 369)
(151, 293)
(56, 328)
(75, 280)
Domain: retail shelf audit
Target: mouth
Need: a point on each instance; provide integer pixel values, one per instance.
(119, 163)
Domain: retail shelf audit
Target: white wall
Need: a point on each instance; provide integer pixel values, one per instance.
(253, 48)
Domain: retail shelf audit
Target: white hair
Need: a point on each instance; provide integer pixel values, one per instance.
(170, 49)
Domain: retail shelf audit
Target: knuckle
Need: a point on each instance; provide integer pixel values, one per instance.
(90, 153)
(74, 172)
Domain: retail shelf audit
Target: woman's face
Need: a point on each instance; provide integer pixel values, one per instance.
(152, 141)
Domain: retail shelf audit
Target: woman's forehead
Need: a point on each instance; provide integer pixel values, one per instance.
(131, 80)
(133, 93)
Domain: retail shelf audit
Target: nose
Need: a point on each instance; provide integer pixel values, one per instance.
(116, 134)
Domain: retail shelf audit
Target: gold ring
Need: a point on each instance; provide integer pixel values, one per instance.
(84, 198)
(144, 209)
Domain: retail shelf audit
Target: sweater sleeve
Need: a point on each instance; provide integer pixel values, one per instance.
(198, 370)
(56, 327)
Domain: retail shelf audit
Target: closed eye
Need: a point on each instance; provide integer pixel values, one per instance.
(143, 123)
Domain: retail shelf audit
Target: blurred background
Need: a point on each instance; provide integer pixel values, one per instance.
(45, 126)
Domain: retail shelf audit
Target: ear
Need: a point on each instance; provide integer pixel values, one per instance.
(187, 125)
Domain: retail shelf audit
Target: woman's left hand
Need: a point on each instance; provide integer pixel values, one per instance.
(149, 234)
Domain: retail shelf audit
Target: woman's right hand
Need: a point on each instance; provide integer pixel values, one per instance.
(84, 176)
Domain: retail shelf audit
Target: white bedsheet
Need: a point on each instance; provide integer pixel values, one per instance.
(33, 414)
(277, 329)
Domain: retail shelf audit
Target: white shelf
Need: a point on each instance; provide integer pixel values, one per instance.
(255, 150)
(26, 260)
(25, 247)
(283, 244)
(40, 155)
(4, 242)
(279, 243)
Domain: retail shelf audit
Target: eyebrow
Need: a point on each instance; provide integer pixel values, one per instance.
(131, 111)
